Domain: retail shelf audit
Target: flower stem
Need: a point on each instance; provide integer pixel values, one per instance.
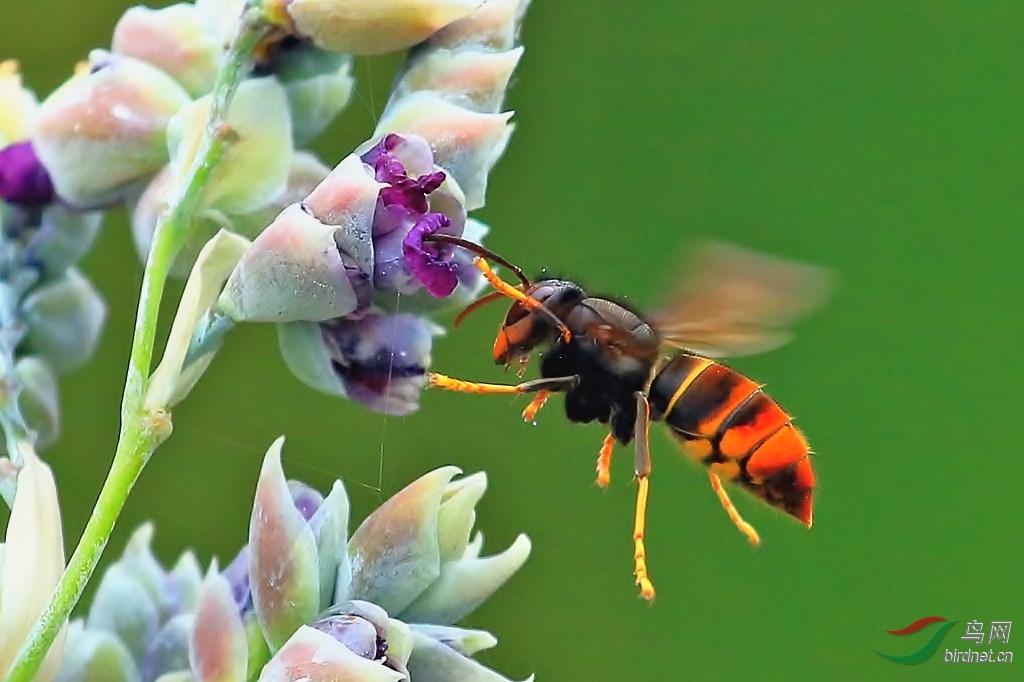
(143, 431)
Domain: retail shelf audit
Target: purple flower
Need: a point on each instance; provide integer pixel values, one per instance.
(381, 360)
(23, 179)
(404, 215)
(427, 261)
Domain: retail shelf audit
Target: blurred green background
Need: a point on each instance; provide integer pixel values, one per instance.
(883, 140)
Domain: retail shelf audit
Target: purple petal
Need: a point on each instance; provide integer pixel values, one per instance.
(23, 179)
(426, 261)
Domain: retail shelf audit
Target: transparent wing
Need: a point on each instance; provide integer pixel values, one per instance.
(736, 302)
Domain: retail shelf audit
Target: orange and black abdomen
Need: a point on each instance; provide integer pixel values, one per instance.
(721, 416)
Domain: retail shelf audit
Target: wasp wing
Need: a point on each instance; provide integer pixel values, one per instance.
(736, 302)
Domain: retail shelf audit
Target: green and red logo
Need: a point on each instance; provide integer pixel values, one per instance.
(929, 647)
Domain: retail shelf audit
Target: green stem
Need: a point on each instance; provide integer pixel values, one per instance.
(142, 431)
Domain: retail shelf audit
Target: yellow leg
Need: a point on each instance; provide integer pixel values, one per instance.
(506, 289)
(533, 386)
(642, 468)
(730, 509)
(604, 461)
(531, 410)
(639, 551)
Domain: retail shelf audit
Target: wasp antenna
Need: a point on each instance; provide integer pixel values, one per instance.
(479, 250)
(479, 303)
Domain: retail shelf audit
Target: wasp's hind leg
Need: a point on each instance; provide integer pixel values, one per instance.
(730, 508)
(531, 410)
(642, 468)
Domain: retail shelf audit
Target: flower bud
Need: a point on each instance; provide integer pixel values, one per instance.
(95, 656)
(493, 26)
(63, 237)
(369, 28)
(314, 656)
(31, 559)
(103, 131)
(65, 318)
(473, 79)
(436, 661)
(168, 650)
(175, 39)
(255, 165)
(295, 270)
(318, 84)
(38, 400)
(219, 651)
(466, 143)
(284, 567)
(17, 105)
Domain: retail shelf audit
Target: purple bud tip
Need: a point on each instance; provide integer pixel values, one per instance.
(357, 634)
(23, 179)
(306, 499)
(427, 260)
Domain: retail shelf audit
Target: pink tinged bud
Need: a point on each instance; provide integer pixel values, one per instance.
(31, 560)
(17, 105)
(466, 143)
(219, 650)
(435, 661)
(368, 28)
(466, 583)
(472, 79)
(492, 26)
(314, 656)
(348, 198)
(295, 271)
(175, 39)
(257, 159)
(395, 553)
(103, 131)
(65, 318)
(284, 569)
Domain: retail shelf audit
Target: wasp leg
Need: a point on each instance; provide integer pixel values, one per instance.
(506, 289)
(642, 468)
(531, 410)
(532, 386)
(604, 461)
(730, 508)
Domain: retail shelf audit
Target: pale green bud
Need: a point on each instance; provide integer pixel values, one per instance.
(39, 400)
(95, 656)
(255, 164)
(63, 238)
(318, 83)
(65, 318)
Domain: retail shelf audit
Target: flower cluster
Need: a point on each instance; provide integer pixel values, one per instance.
(303, 600)
(328, 268)
(51, 316)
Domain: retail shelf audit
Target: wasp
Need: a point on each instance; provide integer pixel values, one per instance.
(622, 369)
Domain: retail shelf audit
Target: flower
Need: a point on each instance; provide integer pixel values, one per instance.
(319, 596)
(32, 557)
(140, 621)
(23, 179)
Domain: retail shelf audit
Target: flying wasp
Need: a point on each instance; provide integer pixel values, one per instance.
(614, 366)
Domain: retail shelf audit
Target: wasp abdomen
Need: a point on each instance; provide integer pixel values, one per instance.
(723, 418)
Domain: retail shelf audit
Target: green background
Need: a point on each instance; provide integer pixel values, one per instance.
(881, 139)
